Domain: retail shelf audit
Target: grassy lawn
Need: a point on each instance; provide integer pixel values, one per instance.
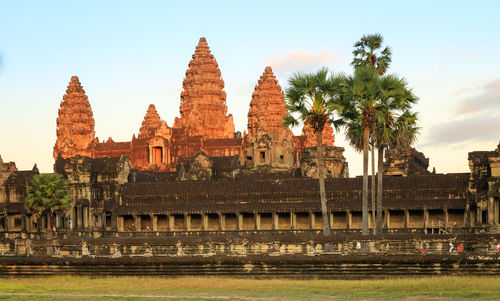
(213, 288)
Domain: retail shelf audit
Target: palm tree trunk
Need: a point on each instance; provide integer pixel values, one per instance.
(373, 187)
(364, 203)
(380, 188)
(321, 177)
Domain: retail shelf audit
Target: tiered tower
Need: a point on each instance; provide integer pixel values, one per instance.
(151, 123)
(203, 100)
(267, 142)
(75, 123)
(310, 137)
(267, 109)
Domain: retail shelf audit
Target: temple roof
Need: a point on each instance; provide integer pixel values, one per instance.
(412, 192)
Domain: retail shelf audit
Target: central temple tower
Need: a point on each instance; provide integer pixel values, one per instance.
(203, 100)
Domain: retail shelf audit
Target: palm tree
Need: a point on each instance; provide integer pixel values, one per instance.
(312, 97)
(366, 52)
(48, 193)
(366, 95)
(393, 130)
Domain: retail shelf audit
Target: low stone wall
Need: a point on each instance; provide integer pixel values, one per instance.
(300, 255)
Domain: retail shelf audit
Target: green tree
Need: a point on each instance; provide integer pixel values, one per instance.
(313, 97)
(365, 96)
(48, 193)
(368, 52)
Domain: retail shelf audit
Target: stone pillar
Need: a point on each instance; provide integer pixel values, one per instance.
(204, 222)
(103, 221)
(137, 223)
(492, 211)
(72, 217)
(275, 221)
(348, 218)
(187, 222)
(257, 221)
(85, 210)
(426, 220)
(222, 221)
(116, 223)
(154, 221)
(239, 221)
(407, 218)
(80, 217)
(293, 220)
(387, 219)
(171, 221)
(312, 220)
(445, 211)
(496, 203)
(331, 219)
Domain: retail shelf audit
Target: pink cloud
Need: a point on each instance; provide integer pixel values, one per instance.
(302, 59)
(487, 99)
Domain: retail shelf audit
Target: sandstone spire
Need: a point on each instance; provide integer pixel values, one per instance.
(310, 137)
(267, 108)
(75, 123)
(203, 101)
(151, 123)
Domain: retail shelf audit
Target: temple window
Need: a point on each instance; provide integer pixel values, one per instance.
(281, 158)
(263, 156)
(249, 158)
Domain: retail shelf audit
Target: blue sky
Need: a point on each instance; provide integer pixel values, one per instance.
(129, 54)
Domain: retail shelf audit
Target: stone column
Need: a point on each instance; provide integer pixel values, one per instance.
(293, 220)
(154, 221)
(496, 203)
(116, 223)
(312, 220)
(239, 221)
(171, 221)
(331, 219)
(445, 211)
(80, 217)
(187, 222)
(348, 218)
(222, 221)
(275, 221)
(407, 218)
(103, 221)
(204, 222)
(388, 219)
(137, 223)
(257, 220)
(85, 213)
(426, 220)
(72, 217)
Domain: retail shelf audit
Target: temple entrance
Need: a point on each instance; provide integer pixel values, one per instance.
(157, 155)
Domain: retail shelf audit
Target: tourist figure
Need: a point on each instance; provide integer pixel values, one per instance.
(459, 248)
(498, 247)
(70, 224)
(358, 246)
(424, 247)
(451, 246)
(54, 232)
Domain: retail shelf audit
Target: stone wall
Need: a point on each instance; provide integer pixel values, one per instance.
(273, 256)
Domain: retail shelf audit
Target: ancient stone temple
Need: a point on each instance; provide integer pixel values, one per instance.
(267, 142)
(484, 187)
(75, 123)
(204, 126)
(203, 100)
(404, 161)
